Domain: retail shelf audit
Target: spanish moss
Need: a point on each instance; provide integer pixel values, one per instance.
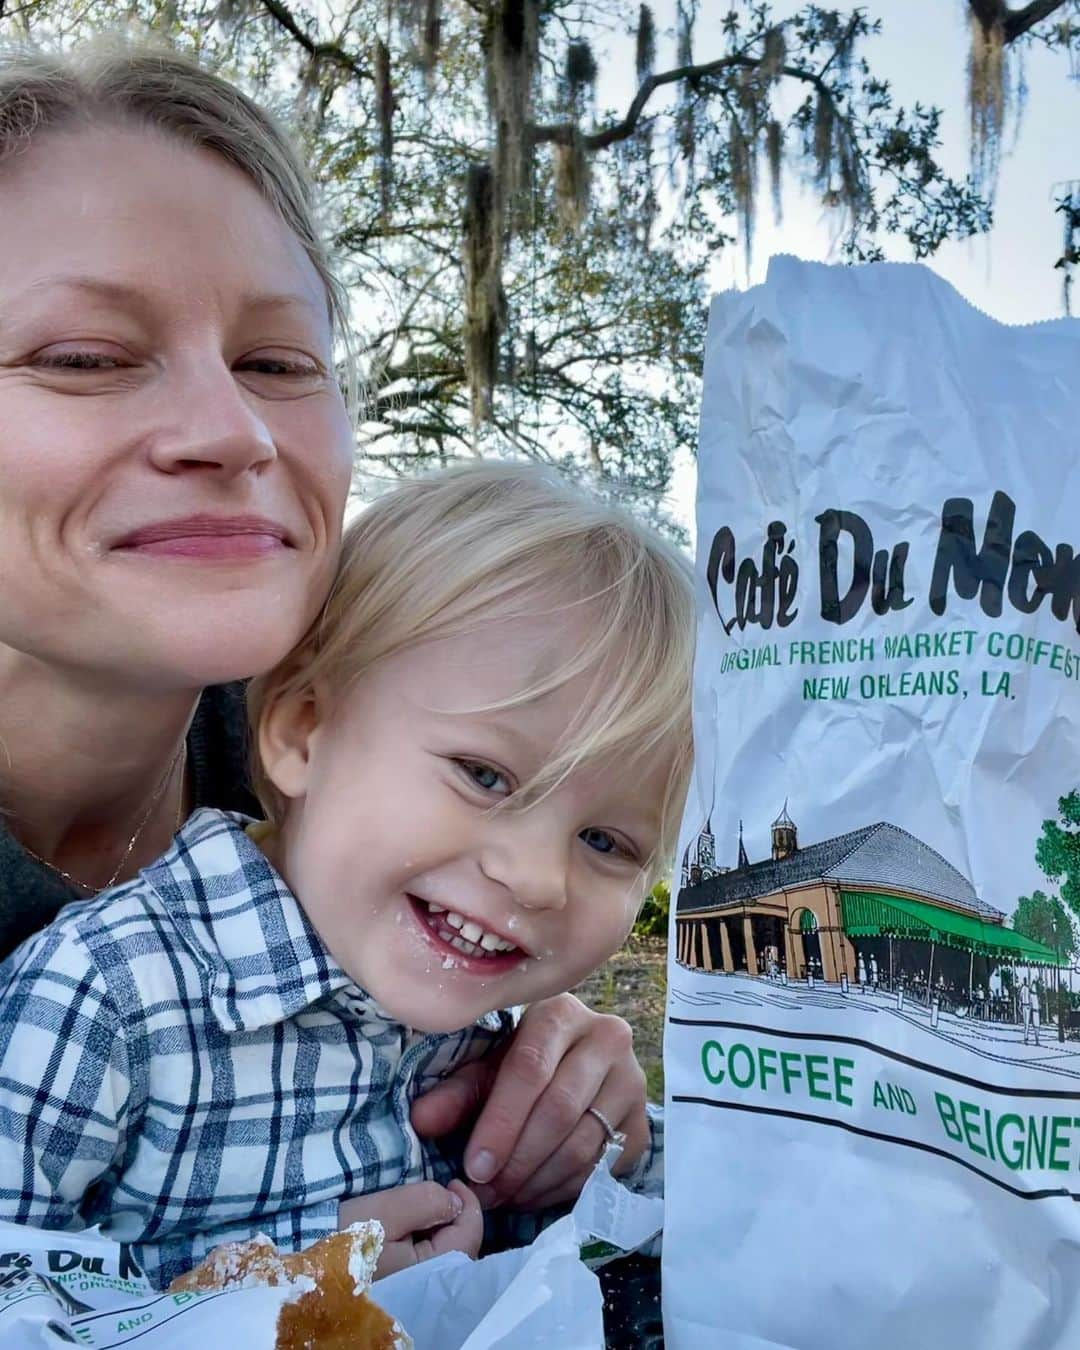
(824, 117)
(515, 46)
(483, 232)
(572, 181)
(645, 59)
(775, 53)
(384, 94)
(987, 97)
(774, 151)
(581, 71)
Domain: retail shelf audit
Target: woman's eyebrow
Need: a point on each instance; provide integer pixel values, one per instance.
(117, 292)
(123, 294)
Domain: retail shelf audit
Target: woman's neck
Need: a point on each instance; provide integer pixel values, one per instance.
(80, 763)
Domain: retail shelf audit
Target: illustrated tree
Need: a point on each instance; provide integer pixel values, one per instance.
(528, 267)
(1058, 850)
(1057, 853)
(1045, 919)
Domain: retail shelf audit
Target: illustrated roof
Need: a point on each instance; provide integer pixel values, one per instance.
(876, 855)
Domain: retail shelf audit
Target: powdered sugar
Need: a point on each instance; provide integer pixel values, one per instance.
(367, 1236)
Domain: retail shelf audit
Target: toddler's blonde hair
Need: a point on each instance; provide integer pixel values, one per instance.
(447, 553)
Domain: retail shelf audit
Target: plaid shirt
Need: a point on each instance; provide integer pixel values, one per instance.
(183, 1063)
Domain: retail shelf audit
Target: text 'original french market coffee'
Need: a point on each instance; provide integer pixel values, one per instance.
(873, 1046)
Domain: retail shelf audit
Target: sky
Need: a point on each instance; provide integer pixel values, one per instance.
(1009, 274)
(922, 51)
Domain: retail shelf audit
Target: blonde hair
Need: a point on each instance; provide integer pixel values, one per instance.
(446, 553)
(110, 80)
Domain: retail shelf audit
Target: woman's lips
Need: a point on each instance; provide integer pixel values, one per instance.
(208, 537)
(211, 546)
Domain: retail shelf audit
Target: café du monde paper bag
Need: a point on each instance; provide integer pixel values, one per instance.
(873, 1046)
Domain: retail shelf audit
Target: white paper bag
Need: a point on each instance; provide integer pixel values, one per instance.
(874, 1120)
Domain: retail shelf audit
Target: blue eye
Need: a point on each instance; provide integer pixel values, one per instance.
(600, 840)
(484, 776)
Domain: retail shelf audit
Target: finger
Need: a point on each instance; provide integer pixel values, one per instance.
(560, 1179)
(454, 1101)
(466, 1232)
(603, 1055)
(397, 1256)
(404, 1210)
(543, 1037)
(556, 1120)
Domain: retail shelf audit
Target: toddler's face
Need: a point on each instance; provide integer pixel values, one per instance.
(441, 909)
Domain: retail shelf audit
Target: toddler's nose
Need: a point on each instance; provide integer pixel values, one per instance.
(535, 873)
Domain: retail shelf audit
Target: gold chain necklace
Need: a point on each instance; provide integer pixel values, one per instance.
(159, 792)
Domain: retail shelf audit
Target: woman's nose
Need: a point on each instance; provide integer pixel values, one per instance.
(211, 424)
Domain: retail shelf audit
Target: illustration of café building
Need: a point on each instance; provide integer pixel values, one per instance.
(875, 905)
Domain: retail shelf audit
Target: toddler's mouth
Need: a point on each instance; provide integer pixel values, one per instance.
(464, 936)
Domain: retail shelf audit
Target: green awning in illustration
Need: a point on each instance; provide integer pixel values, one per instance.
(872, 914)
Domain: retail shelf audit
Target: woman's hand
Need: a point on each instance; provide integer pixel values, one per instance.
(420, 1220)
(535, 1142)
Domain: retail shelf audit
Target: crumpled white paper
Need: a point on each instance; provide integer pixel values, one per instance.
(887, 712)
(63, 1289)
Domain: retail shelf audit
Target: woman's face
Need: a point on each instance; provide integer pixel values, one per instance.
(174, 450)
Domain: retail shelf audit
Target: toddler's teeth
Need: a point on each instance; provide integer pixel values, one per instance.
(436, 909)
(461, 945)
(472, 932)
(490, 942)
(454, 920)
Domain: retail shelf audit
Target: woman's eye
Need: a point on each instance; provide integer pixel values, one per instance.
(274, 365)
(484, 776)
(603, 841)
(78, 361)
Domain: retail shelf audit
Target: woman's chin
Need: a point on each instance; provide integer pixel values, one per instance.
(229, 658)
(221, 639)
(220, 649)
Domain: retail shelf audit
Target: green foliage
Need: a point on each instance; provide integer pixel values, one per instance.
(652, 921)
(1045, 919)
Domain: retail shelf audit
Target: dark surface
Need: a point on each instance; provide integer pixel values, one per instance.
(632, 1317)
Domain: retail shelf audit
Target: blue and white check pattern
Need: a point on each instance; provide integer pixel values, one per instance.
(183, 1063)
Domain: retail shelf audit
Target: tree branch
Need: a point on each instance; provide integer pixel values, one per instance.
(1018, 21)
(562, 133)
(318, 51)
(1014, 22)
(22, 9)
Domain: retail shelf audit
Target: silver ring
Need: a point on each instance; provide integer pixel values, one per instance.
(612, 1135)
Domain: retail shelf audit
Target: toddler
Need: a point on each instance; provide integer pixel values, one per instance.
(473, 767)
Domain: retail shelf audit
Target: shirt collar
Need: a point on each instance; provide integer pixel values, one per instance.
(263, 960)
